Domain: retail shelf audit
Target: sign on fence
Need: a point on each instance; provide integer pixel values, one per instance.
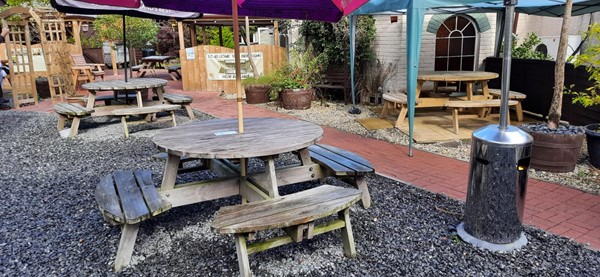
(221, 66)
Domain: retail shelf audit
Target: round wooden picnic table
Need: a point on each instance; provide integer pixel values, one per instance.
(217, 140)
(134, 84)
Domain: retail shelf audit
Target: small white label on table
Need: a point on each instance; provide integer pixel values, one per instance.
(225, 133)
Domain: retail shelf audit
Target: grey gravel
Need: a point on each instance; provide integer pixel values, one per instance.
(50, 225)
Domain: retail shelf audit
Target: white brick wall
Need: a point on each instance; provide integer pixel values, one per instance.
(390, 46)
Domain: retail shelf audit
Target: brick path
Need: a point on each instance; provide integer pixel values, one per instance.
(558, 209)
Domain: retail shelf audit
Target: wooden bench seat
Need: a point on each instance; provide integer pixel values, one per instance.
(295, 213)
(126, 198)
(73, 112)
(124, 113)
(393, 101)
(183, 100)
(175, 72)
(458, 105)
(336, 80)
(344, 164)
(512, 95)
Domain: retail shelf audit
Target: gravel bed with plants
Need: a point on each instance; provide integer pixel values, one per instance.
(50, 224)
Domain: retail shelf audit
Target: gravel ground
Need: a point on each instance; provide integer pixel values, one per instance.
(585, 177)
(50, 225)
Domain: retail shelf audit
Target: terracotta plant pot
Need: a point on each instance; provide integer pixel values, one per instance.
(555, 152)
(257, 94)
(296, 99)
(593, 143)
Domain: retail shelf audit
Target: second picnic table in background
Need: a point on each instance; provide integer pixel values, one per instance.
(468, 78)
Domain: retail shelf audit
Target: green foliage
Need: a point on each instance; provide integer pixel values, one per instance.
(91, 42)
(260, 80)
(334, 39)
(526, 50)
(139, 30)
(27, 3)
(590, 58)
(304, 70)
(213, 36)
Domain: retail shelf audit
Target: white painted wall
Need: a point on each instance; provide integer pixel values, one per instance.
(390, 46)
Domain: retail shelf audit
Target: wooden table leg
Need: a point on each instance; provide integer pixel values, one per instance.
(91, 99)
(170, 173)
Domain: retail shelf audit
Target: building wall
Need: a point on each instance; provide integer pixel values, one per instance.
(390, 40)
(390, 46)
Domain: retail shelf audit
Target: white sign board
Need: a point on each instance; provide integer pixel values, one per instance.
(189, 54)
(221, 66)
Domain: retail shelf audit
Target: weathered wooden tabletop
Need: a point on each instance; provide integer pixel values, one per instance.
(456, 76)
(219, 139)
(156, 58)
(131, 84)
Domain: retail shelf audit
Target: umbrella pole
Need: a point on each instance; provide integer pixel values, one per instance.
(124, 50)
(238, 76)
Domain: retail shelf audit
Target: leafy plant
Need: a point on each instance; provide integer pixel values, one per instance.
(91, 42)
(139, 30)
(260, 80)
(304, 70)
(526, 50)
(590, 58)
(334, 39)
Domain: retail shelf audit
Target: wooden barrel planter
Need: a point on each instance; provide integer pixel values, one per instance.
(257, 94)
(555, 152)
(593, 143)
(296, 99)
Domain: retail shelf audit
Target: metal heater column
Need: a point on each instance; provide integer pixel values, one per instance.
(500, 156)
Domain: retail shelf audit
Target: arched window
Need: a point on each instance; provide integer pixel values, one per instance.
(456, 43)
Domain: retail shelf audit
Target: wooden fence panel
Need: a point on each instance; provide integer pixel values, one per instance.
(195, 73)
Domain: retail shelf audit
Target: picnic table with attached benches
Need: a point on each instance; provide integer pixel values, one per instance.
(139, 90)
(217, 146)
(398, 100)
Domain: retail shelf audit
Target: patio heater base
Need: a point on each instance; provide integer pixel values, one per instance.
(505, 247)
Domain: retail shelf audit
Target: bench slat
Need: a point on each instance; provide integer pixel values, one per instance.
(511, 94)
(289, 210)
(108, 201)
(337, 159)
(337, 168)
(146, 110)
(71, 109)
(177, 98)
(156, 205)
(132, 201)
(478, 103)
(230, 213)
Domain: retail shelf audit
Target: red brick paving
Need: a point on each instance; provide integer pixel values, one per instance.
(558, 209)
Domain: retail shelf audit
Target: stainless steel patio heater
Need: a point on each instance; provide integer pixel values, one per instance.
(500, 156)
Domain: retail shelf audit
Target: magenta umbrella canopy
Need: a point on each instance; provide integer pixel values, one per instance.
(321, 10)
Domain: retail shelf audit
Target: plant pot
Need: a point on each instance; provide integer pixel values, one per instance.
(296, 99)
(554, 152)
(257, 94)
(593, 143)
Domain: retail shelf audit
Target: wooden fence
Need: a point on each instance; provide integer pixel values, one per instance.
(195, 75)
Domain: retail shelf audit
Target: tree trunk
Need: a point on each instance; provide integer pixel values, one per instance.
(559, 70)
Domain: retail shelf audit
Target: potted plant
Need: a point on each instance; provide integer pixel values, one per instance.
(257, 89)
(556, 147)
(292, 84)
(591, 95)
